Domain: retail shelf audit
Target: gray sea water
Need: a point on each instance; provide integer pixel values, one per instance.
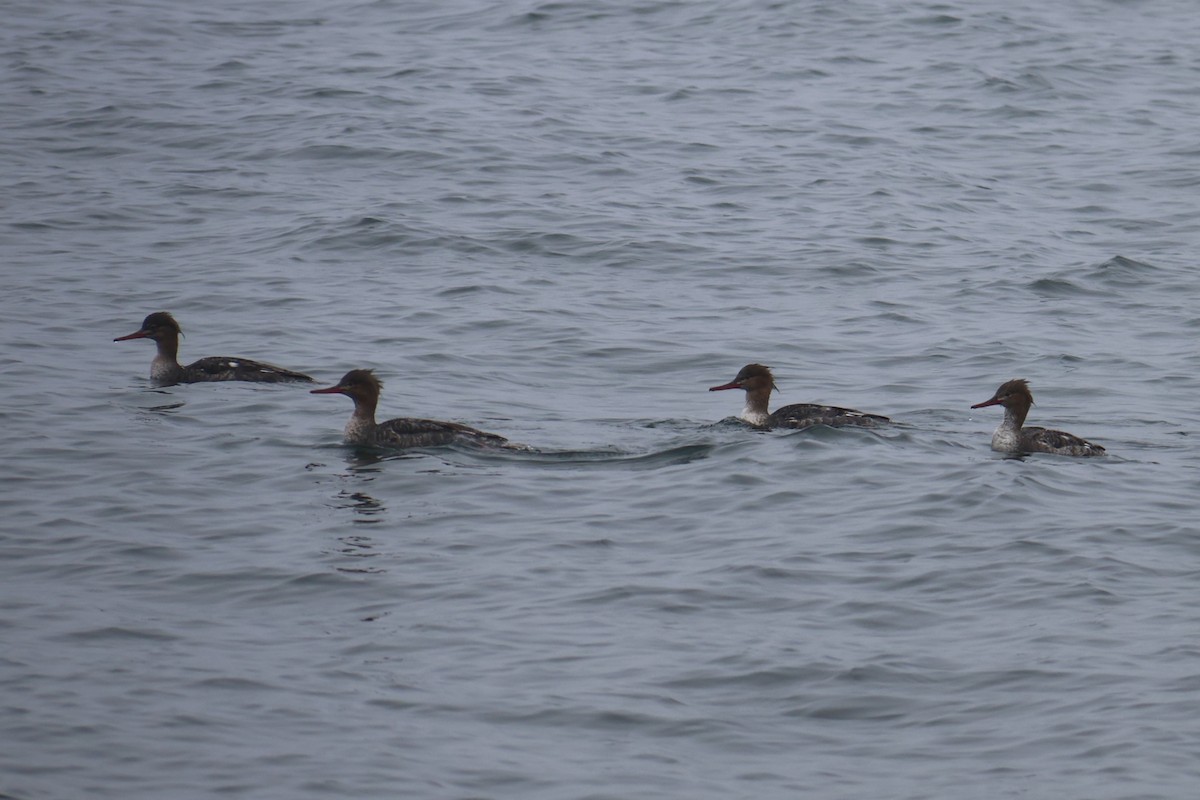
(562, 222)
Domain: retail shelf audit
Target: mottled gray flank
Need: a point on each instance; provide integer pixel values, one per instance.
(563, 222)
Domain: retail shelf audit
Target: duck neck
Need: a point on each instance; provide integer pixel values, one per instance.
(757, 402)
(362, 421)
(1014, 416)
(1007, 437)
(165, 367)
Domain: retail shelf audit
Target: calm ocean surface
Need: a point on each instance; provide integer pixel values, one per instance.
(563, 222)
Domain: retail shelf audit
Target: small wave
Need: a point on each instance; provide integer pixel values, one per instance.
(569, 459)
(1122, 271)
(1058, 287)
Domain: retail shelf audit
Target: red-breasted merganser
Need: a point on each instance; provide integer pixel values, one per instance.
(1011, 437)
(758, 382)
(165, 369)
(361, 386)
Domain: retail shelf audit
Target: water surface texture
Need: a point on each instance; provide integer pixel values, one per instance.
(562, 222)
